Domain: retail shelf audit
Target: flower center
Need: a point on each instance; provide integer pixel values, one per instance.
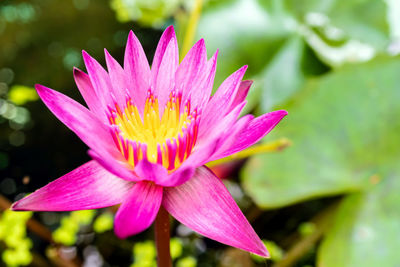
(168, 140)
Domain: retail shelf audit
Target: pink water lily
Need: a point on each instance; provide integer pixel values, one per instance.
(150, 131)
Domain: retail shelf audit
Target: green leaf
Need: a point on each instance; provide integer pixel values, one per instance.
(366, 229)
(343, 126)
(360, 19)
(283, 76)
(245, 33)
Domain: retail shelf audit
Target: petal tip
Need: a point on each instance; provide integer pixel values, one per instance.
(20, 205)
(170, 29)
(40, 89)
(14, 206)
(86, 57)
(282, 113)
(262, 251)
(119, 233)
(77, 72)
(85, 54)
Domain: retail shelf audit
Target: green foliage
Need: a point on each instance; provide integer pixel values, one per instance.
(103, 223)
(69, 227)
(144, 254)
(20, 94)
(276, 253)
(147, 12)
(13, 234)
(365, 230)
(23, 13)
(187, 262)
(176, 248)
(343, 119)
(307, 228)
(271, 39)
(288, 58)
(343, 131)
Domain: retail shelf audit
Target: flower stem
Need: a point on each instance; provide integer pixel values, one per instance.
(162, 237)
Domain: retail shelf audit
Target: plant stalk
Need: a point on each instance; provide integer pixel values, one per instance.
(162, 237)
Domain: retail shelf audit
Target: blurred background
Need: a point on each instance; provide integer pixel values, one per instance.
(321, 190)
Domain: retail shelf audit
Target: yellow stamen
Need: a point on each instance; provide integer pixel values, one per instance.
(155, 132)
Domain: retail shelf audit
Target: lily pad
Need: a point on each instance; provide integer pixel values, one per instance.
(366, 229)
(344, 126)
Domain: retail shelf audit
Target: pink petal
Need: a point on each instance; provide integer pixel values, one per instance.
(137, 70)
(88, 93)
(220, 102)
(139, 209)
(118, 80)
(100, 80)
(256, 129)
(191, 70)
(230, 137)
(151, 172)
(204, 204)
(167, 37)
(224, 125)
(117, 167)
(241, 93)
(205, 149)
(80, 120)
(199, 157)
(158, 174)
(180, 176)
(87, 187)
(201, 91)
(164, 76)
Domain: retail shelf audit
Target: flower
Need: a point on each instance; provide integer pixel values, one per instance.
(150, 132)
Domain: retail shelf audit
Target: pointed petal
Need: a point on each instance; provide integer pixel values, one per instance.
(89, 186)
(88, 93)
(224, 125)
(139, 209)
(167, 37)
(231, 137)
(204, 204)
(118, 79)
(220, 102)
(241, 93)
(201, 90)
(80, 120)
(137, 70)
(206, 148)
(256, 129)
(191, 70)
(117, 167)
(100, 80)
(164, 78)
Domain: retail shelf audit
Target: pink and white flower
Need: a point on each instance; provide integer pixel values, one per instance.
(150, 131)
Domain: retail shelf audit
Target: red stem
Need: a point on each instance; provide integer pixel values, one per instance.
(162, 237)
